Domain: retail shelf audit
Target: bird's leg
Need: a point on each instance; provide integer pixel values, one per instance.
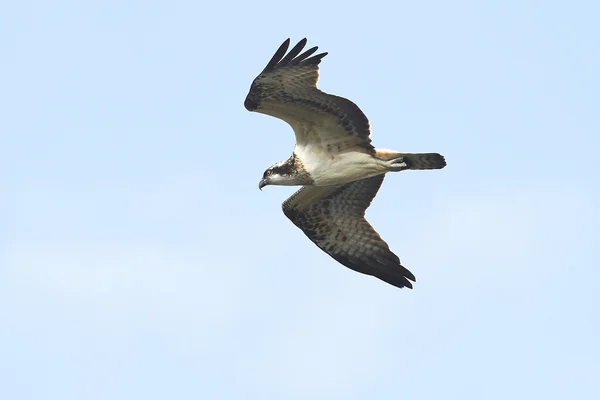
(398, 164)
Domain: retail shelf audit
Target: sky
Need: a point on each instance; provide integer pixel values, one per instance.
(139, 260)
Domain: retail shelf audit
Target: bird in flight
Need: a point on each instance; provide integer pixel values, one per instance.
(340, 171)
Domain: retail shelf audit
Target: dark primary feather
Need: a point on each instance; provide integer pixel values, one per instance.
(293, 53)
(278, 60)
(304, 56)
(333, 218)
(277, 56)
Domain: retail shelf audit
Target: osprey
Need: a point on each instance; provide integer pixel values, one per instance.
(334, 161)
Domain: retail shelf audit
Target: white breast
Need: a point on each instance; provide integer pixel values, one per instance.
(334, 169)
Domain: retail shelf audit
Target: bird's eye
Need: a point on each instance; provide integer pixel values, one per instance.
(269, 172)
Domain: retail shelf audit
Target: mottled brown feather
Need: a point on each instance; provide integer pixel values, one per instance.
(287, 89)
(333, 217)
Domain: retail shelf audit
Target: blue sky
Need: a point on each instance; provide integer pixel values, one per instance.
(138, 259)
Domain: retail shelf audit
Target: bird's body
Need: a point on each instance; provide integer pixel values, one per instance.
(334, 160)
(328, 168)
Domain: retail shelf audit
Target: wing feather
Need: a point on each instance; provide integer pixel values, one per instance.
(293, 52)
(287, 89)
(304, 57)
(277, 56)
(333, 217)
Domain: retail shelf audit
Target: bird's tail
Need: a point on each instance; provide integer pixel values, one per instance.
(413, 160)
(424, 160)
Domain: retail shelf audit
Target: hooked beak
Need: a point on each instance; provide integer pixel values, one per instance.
(263, 183)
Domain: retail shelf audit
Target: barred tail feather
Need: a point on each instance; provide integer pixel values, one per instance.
(424, 160)
(413, 160)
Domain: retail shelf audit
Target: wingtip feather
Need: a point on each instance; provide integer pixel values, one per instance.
(293, 58)
(278, 55)
(294, 52)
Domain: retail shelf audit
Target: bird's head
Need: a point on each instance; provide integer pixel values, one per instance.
(280, 174)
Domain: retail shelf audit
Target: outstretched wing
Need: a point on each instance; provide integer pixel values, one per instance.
(333, 217)
(287, 89)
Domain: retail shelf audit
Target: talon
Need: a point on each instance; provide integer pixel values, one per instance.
(400, 163)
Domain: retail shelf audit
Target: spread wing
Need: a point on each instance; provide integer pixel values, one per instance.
(333, 217)
(287, 89)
